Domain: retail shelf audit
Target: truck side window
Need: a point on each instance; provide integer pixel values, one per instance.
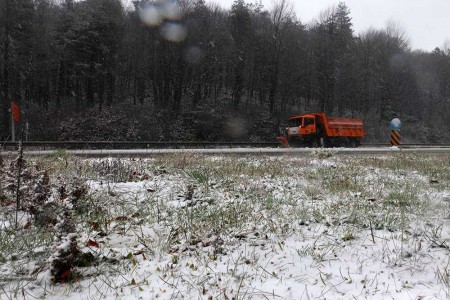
(309, 121)
(295, 122)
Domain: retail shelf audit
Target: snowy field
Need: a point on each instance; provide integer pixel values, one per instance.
(192, 226)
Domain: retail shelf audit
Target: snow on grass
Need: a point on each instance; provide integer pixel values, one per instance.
(223, 227)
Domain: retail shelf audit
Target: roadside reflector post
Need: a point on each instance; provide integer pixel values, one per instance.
(395, 137)
(13, 127)
(395, 132)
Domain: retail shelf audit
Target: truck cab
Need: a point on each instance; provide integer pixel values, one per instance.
(302, 129)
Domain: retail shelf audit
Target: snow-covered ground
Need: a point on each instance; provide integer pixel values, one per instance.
(234, 227)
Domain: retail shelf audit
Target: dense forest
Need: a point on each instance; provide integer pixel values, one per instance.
(190, 71)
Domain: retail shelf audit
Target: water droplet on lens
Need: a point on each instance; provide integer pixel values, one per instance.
(171, 11)
(194, 55)
(173, 32)
(151, 15)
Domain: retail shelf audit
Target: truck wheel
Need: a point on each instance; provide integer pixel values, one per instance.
(315, 143)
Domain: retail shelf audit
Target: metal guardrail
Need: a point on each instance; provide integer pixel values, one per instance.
(133, 144)
(162, 145)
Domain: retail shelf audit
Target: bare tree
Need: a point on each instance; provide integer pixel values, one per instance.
(398, 35)
(281, 15)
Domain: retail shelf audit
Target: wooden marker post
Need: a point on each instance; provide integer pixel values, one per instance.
(15, 119)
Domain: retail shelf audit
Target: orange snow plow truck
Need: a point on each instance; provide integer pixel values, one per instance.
(318, 130)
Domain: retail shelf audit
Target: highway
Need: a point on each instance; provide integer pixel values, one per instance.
(237, 151)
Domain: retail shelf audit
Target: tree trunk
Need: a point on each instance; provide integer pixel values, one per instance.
(141, 90)
(89, 91)
(111, 88)
(59, 84)
(6, 101)
(273, 89)
(101, 92)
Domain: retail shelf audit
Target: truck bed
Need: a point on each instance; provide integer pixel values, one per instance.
(338, 127)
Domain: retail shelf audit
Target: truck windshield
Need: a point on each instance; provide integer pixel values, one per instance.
(295, 122)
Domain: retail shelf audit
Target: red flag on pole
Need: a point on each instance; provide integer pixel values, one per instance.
(15, 112)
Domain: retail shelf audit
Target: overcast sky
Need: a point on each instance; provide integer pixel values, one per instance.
(426, 22)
